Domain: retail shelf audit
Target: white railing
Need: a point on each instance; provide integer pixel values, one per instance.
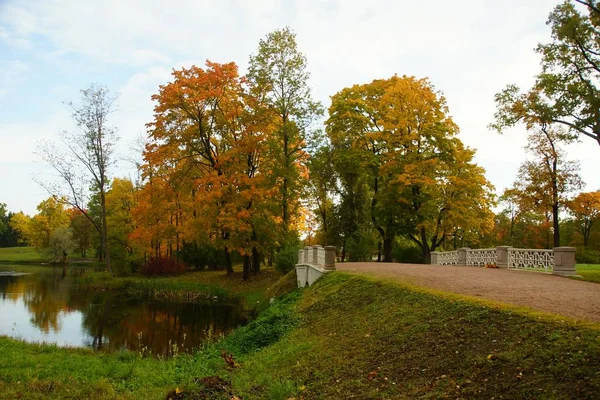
(481, 257)
(537, 259)
(320, 257)
(559, 260)
(448, 258)
(313, 262)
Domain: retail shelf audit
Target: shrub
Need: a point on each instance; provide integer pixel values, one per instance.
(200, 256)
(587, 256)
(163, 266)
(286, 259)
(408, 254)
(359, 247)
(270, 326)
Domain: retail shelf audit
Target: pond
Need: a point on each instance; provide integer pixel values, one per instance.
(46, 306)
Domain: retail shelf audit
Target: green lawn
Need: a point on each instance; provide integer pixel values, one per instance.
(19, 254)
(344, 337)
(590, 272)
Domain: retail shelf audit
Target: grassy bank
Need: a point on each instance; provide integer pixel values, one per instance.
(190, 287)
(29, 256)
(589, 272)
(345, 337)
(19, 255)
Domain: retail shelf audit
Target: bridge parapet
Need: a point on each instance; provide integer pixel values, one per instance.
(559, 261)
(313, 263)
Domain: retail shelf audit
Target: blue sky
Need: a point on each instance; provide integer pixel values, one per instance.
(49, 49)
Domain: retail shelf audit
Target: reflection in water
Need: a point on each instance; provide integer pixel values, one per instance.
(49, 307)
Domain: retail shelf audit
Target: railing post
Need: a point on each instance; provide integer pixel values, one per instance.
(564, 261)
(315, 259)
(462, 255)
(330, 258)
(300, 256)
(434, 258)
(307, 255)
(502, 256)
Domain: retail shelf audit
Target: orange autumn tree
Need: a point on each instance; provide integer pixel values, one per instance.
(585, 207)
(207, 146)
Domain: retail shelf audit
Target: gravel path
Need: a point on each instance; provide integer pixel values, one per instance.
(544, 292)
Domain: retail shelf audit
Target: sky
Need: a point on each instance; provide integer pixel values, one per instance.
(50, 49)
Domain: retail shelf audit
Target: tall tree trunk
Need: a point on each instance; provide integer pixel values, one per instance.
(555, 225)
(425, 249)
(379, 251)
(228, 265)
(343, 256)
(426, 254)
(387, 249)
(105, 247)
(246, 272)
(255, 261)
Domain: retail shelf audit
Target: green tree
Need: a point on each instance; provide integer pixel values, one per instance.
(279, 73)
(83, 231)
(3, 219)
(60, 244)
(545, 182)
(566, 91)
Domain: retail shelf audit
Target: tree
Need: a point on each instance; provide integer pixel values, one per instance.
(3, 218)
(207, 150)
(8, 236)
(566, 91)
(38, 230)
(120, 200)
(422, 180)
(585, 207)
(279, 73)
(83, 231)
(86, 159)
(60, 244)
(544, 183)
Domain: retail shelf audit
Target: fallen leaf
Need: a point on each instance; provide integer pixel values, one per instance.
(372, 375)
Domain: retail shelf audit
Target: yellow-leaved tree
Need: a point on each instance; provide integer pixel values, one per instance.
(422, 179)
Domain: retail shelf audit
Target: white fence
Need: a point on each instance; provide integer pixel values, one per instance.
(447, 258)
(481, 257)
(560, 260)
(542, 260)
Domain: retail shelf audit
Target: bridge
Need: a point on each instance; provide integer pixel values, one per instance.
(313, 263)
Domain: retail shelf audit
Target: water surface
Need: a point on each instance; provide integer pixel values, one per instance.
(48, 306)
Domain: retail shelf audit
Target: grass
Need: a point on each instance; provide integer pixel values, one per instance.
(19, 254)
(589, 272)
(345, 337)
(192, 287)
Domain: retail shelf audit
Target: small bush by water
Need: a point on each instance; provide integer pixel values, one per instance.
(163, 266)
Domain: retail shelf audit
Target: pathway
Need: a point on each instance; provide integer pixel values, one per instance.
(550, 293)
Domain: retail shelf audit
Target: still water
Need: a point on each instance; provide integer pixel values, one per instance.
(47, 306)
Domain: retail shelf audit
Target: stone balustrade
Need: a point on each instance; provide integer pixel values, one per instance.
(559, 261)
(314, 262)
